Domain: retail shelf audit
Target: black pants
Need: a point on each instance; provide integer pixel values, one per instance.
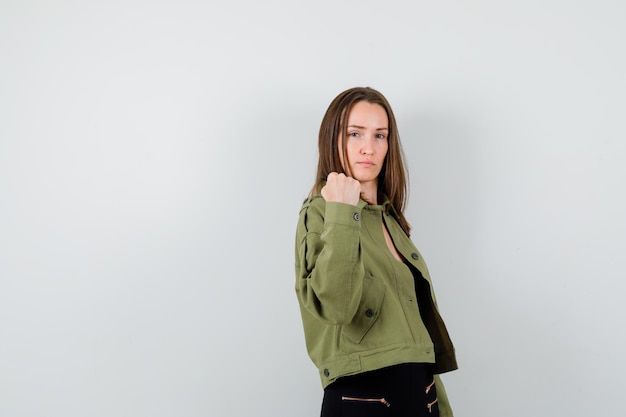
(401, 390)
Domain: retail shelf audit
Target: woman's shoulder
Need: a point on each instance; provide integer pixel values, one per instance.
(315, 202)
(312, 209)
(311, 217)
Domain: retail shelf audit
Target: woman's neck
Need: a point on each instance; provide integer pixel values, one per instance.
(369, 192)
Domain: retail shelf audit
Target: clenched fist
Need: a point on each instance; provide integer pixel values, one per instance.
(341, 189)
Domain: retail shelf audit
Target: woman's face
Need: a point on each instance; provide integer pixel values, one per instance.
(366, 142)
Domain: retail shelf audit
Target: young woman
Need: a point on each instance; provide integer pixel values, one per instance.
(370, 318)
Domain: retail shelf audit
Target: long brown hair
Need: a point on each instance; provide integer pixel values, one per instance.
(392, 180)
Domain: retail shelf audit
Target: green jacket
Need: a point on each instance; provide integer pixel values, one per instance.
(357, 315)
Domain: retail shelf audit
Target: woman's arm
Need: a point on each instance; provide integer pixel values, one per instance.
(329, 267)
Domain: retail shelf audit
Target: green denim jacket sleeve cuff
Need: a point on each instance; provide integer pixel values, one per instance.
(344, 214)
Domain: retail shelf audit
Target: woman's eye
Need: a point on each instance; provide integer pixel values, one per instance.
(354, 134)
(380, 136)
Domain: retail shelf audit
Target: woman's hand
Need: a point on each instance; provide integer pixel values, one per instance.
(341, 189)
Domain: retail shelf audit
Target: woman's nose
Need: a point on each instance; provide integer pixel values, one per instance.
(367, 148)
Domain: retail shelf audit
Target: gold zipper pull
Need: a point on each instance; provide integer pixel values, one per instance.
(430, 406)
(368, 400)
(430, 386)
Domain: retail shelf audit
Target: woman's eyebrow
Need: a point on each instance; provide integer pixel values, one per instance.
(363, 127)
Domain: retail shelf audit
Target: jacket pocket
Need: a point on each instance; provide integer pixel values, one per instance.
(369, 310)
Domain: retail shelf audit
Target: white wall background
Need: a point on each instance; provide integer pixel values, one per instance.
(153, 157)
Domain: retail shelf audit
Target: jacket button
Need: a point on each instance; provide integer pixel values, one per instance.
(356, 217)
(369, 312)
(326, 373)
(414, 256)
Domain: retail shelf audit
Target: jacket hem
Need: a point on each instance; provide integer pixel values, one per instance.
(366, 361)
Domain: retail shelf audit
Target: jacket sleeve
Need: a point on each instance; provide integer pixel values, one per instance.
(329, 268)
(442, 398)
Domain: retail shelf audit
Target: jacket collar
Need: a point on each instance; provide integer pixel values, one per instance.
(385, 205)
